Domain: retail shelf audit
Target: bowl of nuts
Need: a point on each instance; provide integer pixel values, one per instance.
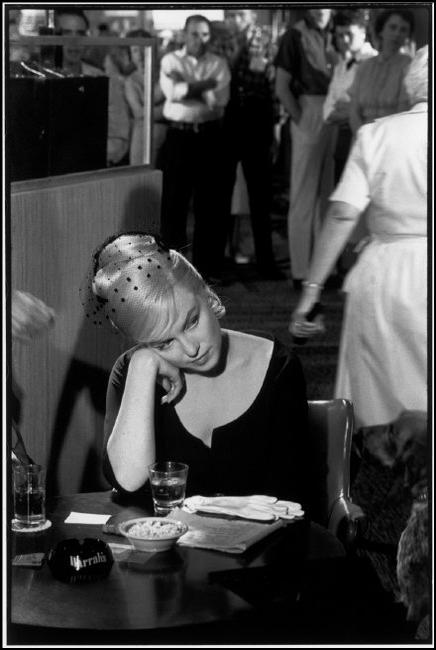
(152, 534)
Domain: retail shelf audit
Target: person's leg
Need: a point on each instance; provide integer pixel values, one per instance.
(256, 137)
(239, 209)
(325, 152)
(342, 149)
(308, 152)
(257, 167)
(160, 129)
(176, 187)
(228, 173)
(210, 228)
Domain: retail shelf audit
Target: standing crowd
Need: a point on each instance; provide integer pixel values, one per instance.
(221, 91)
(223, 99)
(219, 94)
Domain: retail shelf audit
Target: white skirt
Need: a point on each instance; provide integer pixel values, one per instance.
(383, 352)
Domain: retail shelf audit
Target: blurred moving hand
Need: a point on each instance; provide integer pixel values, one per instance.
(30, 316)
(300, 326)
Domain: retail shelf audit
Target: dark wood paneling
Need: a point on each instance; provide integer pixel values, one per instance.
(56, 223)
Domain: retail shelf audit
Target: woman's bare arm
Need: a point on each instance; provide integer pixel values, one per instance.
(131, 444)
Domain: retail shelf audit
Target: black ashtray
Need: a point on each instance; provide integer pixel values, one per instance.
(86, 560)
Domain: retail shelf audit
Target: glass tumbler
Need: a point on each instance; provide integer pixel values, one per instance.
(29, 496)
(168, 485)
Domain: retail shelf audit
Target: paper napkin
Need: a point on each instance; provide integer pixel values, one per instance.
(86, 518)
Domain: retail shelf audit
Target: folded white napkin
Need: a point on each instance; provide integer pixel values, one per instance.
(258, 507)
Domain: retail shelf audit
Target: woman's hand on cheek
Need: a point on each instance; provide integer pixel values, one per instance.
(170, 378)
(147, 360)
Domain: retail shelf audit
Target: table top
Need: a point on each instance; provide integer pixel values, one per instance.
(296, 586)
(165, 589)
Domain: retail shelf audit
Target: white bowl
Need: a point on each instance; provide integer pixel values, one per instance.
(152, 534)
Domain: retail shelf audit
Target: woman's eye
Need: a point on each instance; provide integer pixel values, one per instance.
(163, 346)
(193, 322)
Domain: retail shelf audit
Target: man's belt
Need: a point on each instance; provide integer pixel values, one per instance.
(195, 127)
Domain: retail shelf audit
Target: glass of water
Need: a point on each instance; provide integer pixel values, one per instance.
(168, 485)
(29, 496)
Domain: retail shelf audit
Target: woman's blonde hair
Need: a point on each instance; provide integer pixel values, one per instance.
(132, 281)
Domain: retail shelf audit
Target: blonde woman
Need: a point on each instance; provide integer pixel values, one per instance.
(231, 405)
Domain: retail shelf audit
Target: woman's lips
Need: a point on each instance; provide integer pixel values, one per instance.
(202, 359)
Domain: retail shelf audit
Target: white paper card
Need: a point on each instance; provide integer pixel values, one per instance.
(86, 518)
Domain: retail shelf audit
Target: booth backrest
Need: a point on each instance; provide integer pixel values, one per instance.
(55, 224)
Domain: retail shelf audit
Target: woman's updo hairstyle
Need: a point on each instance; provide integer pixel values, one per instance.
(131, 283)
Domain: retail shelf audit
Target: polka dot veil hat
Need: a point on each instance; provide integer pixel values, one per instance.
(124, 274)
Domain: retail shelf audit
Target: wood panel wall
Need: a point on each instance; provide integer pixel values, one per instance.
(55, 225)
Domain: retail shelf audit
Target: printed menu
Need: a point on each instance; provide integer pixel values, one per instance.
(222, 534)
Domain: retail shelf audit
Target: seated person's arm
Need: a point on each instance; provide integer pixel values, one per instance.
(129, 421)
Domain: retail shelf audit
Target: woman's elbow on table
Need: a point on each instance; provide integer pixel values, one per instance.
(129, 474)
(130, 481)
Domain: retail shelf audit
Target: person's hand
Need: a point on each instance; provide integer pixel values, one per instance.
(167, 375)
(299, 326)
(30, 316)
(342, 106)
(209, 84)
(176, 76)
(341, 111)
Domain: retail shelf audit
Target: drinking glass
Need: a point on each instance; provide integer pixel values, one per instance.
(168, 485)
(29, 496)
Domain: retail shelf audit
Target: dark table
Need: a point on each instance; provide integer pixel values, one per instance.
(291, 586)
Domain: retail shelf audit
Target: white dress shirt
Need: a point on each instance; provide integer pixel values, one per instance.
(343, 77)
(177, 70)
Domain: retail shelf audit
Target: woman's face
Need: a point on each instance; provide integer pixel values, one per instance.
(395, 33)
(192, 340)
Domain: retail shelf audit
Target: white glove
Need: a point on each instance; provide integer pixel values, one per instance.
(258, 507)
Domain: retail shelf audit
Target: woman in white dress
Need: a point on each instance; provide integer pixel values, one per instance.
(383, 351)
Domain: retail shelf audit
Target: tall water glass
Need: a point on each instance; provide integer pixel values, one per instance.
(29, 496)
(168, 485)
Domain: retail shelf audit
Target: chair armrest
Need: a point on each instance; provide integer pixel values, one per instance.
(347, 521)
